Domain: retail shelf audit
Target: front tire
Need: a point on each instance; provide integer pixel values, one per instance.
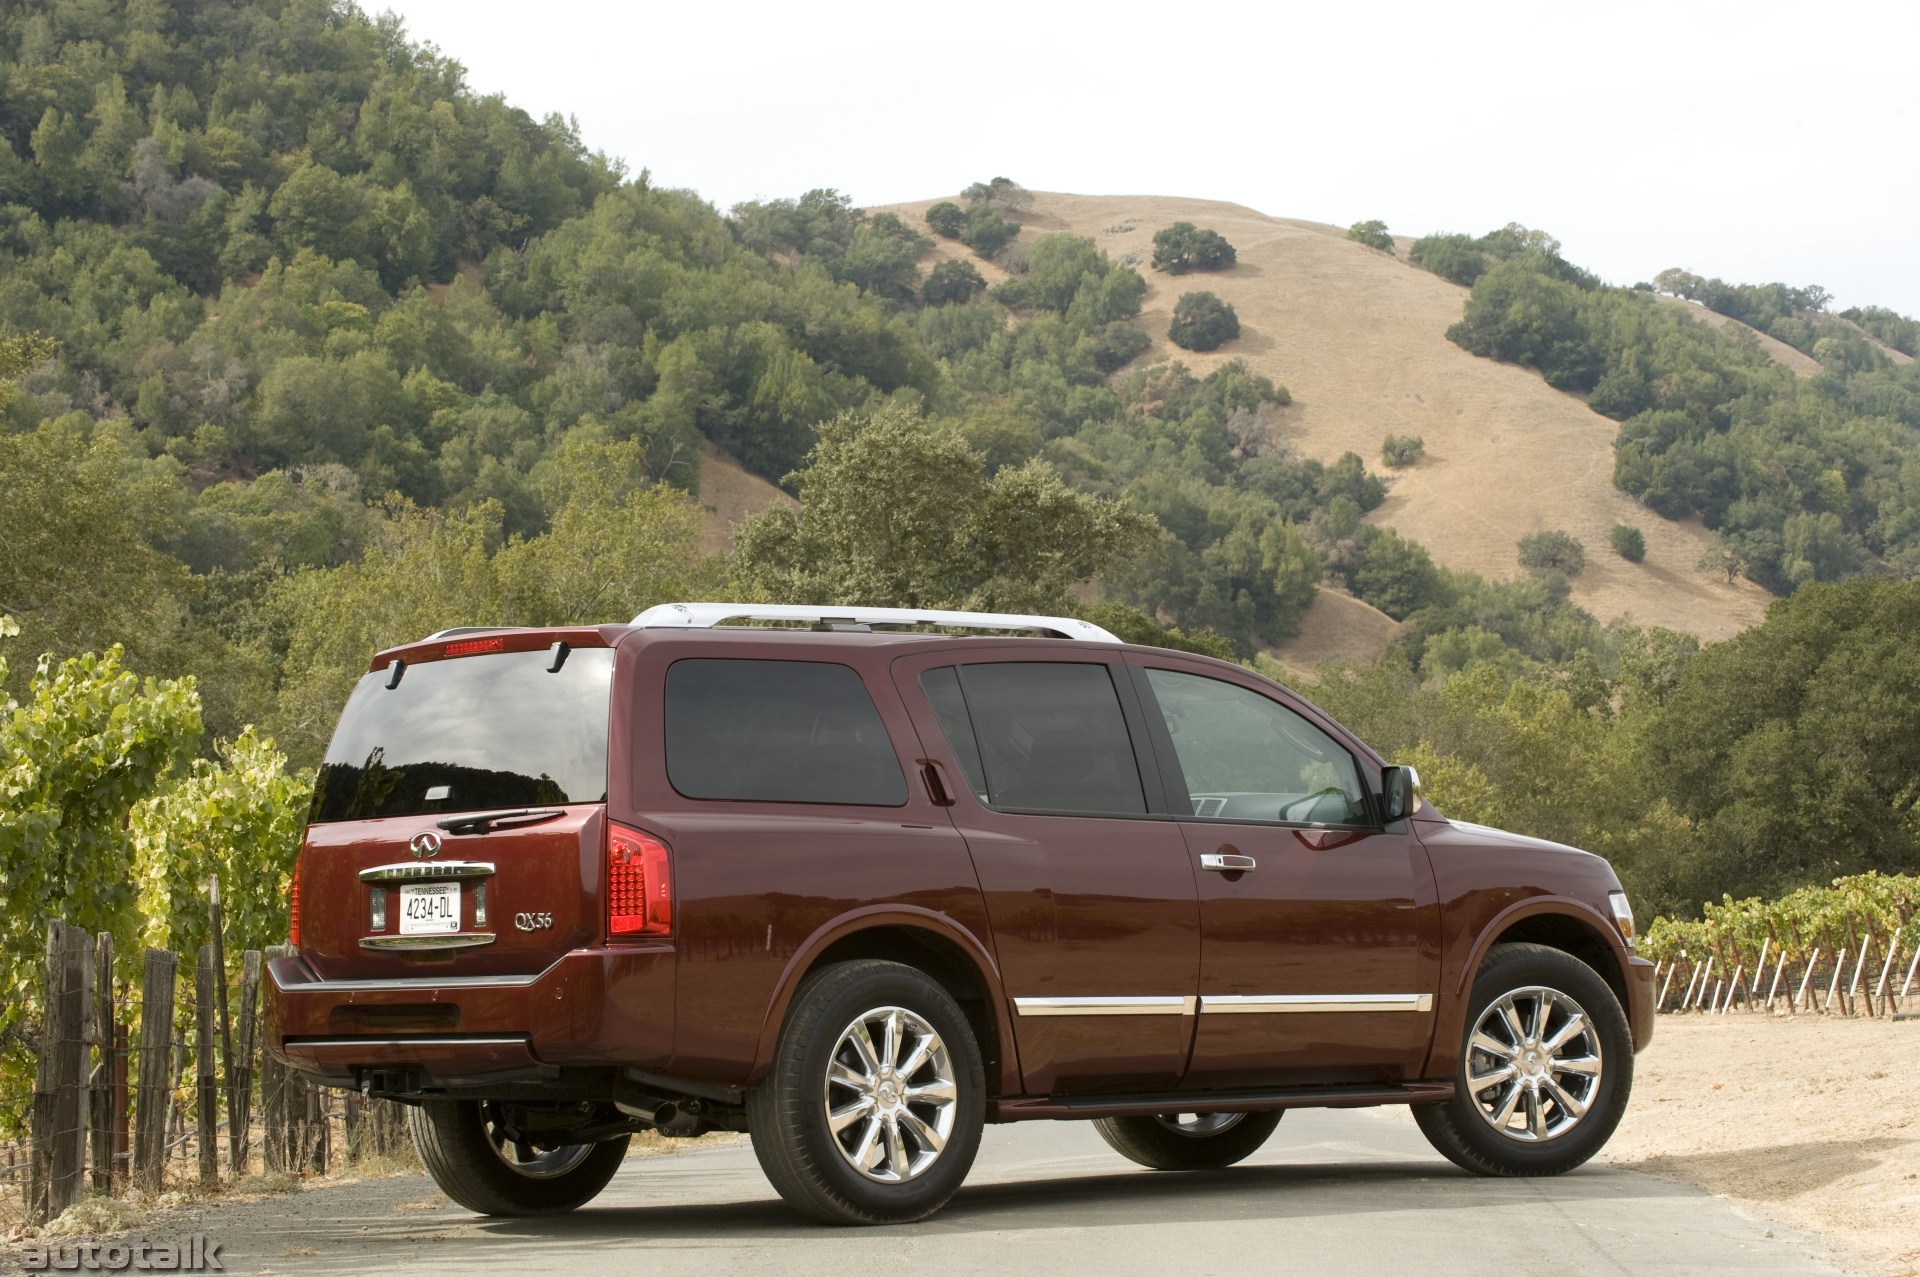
(1545, 1070)
(1188, 1141)
(462, 1146)
(873, 1109)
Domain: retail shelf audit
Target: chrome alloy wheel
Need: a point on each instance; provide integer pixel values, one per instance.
(891, 1097)
(522, 1157)
(1198, 1126)
(1533, 1065)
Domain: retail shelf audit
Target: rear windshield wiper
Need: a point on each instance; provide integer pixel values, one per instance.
(485, 822)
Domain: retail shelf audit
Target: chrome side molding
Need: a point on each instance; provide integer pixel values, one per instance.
(1314, 1003)
(416, 944)
(1169, 1005)
(422, 870)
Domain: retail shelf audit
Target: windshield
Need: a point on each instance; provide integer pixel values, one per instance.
(470, 734)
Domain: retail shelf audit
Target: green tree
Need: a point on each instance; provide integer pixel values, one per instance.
(1202, 322)
(1402, 450)
(1628, 542)
(1184, 247)
(1552, 551)
(986, 232)
(952, 281)
(896, 513)
(1373, 234)
(947, 219)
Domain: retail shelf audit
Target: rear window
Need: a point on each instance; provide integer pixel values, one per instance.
(778, 731)
(470, 734)
(1048, 737)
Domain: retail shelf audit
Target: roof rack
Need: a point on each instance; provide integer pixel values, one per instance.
(698, 616)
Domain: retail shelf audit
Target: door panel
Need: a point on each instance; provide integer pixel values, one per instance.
(1093, 915)
(1319, 929)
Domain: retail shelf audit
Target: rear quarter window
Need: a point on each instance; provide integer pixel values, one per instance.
(778, 731)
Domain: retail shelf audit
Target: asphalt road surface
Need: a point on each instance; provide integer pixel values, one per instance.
(1332, 1192)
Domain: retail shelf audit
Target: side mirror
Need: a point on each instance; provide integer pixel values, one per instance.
(1400, 787)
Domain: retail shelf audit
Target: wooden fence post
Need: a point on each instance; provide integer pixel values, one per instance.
(101, 1097)
(240, 1086)
(122, 1136)
(274, 1121)
(207, 1113)
(66, 1180)
(235, 1137)
(45, 1083)
(156, 1048)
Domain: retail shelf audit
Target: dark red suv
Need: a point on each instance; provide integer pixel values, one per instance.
(858, 880)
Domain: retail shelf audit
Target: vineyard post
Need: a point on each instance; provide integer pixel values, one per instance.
(240, 1090)
(1833, 985)
(1702, 999)
(45, 1083)
(1693, 976)
(1886, 968)
(156, 1044)
(101, 1097)
(235, 1136)
(1760, 964)
(207, 1113)
(1853, 985)
(67, 1181)
(1779, 966)
(1661, 1003)
(1804, 979)
(1911, 968)
(1733, 987)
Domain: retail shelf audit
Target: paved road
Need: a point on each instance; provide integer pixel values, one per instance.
(1332, 1192)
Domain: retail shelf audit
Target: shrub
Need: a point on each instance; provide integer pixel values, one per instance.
(947, 219)
(1002, 192)
(1183, 246)
(986, 232)
(1402, 450)
(952, 281)
(1373, 234)
(1452, 257)
(1552, 551)
(1628, 542)
(1202, 321)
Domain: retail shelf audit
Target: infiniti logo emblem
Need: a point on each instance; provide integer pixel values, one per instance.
(424, 844)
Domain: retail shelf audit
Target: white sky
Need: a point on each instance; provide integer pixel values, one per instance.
(1755, 141)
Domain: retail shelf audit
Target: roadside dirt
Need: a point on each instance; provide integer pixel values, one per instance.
(1812, 1121)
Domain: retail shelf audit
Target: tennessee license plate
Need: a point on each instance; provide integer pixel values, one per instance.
(429, 908)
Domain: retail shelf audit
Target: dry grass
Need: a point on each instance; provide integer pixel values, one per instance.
(1805, 1119)
(1360, 339)
(728, 494)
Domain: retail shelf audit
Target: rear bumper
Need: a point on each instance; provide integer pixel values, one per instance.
(591, 1007)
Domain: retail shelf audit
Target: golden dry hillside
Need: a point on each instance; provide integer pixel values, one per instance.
(1360, 339)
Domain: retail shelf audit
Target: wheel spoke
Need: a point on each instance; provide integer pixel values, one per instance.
(1574, 1108)
(840, 1119)
(1542, 1008)
(1511, 1014)
(1536, 1114)
(863, 1043)
(1479, 1083)
(938, 1091)
(1483, 1041)
(891, 1040)
(896, 1149)
(1585, 1065)
(1573, 1028)
(846, 1075)
(930, 1139)
(867, 1152)
(917, 1058)
(1504, 1114)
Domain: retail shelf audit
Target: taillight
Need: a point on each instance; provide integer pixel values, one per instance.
(293, 906)
(639, 884)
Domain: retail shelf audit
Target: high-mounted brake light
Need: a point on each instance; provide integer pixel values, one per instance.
(293, 906)
(639, 884)
(473, 647)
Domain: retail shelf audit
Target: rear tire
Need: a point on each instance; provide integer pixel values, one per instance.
(1205, 1143)
(1551, 1093)
(453, 1139)
(873, 1109)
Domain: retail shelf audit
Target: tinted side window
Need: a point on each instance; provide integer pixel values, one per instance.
(1249, 758)
(1051, 738)
(942, 688)
(777, 731)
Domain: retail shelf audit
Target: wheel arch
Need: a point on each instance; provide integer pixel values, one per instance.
(918, 938)
(1558, 922)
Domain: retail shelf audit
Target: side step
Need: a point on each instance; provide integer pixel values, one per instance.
(1032, 1108)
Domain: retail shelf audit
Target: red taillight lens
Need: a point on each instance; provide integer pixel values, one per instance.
(639, 884)
(293, 907)
(473, 647)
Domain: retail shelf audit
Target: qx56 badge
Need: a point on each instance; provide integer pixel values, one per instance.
(533, 921)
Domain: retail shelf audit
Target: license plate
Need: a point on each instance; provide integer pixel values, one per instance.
(429, 908)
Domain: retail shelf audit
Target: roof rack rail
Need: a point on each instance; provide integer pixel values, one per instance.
(696, 616)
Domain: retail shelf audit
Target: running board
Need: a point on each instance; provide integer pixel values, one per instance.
(1031, 1108)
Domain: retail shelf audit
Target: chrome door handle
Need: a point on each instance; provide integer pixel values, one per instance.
(1225, 864)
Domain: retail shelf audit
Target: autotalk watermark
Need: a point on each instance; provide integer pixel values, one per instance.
(195, 1253)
